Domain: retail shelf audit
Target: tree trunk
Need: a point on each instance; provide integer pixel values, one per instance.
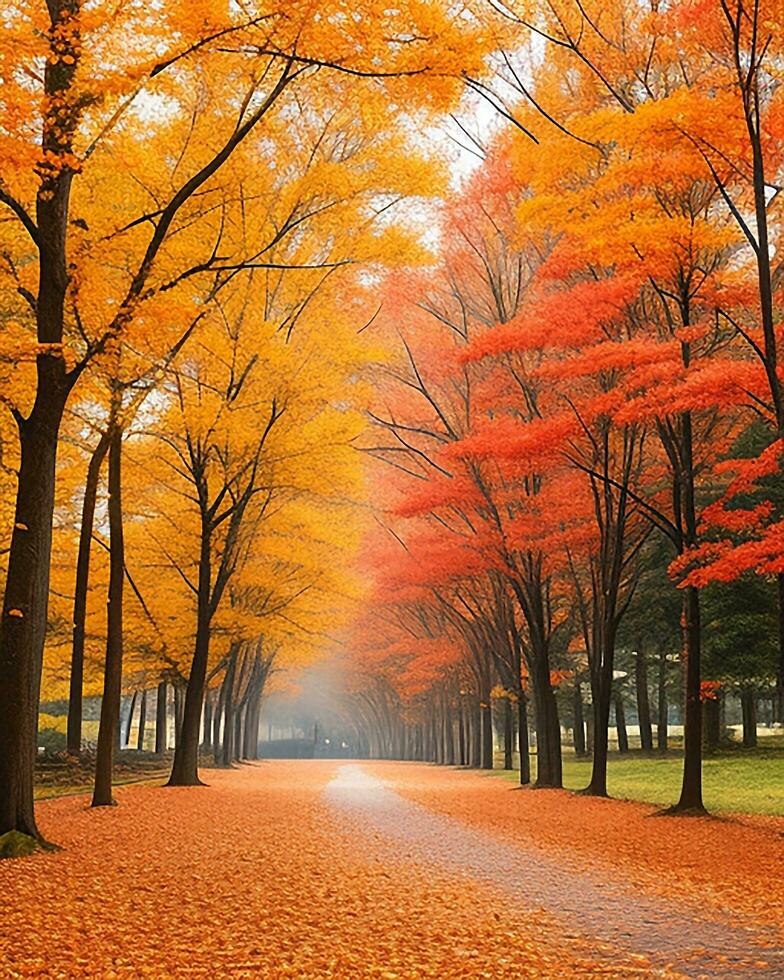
(119, 732)
(227, 747)
(508, 734)
(449, 734)
(185, 768)
(129, 720)
(255, 731)
(486, 720)
(778, 704)
(691, 789)
(81, 587)
(237, 743)
(523, 746)
(206, 743)
(251, 729)
(220, 705)
(643, 701)
(579, 721)
(142, 722)
(620, 722)
(748, 703)
(476, 735)
(25, 608)
(160, 720)
(548, 732)
(436, 725)
(601, 691)
(711, 727)
(112, 682)
(662, 708)
(25, 604)
(461, 733)
(177, 691)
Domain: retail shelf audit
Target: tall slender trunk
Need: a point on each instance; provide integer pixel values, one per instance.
(112, 681)
(579, 721)
(691, 789)
(81, 588)
(177, 693)
(643, 701)
(142, 722)
(220, 705)
(449, 734)
(522, 738)
(119, 734)
(476, 734)
(751, 108)
(620, 721)
(185, 767)
(685, 507)
(461, 733)
(438, 733)
(206, 742)
(160, 719)
(237, 744)
(662, 707)
(129, 720)
(508, 734)
(602, 695)
(227, 748)
(251, 729)
(255, 730)
(778, 704)
(487, 732)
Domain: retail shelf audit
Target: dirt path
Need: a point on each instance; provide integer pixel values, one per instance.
(671, 934)
(301, 869)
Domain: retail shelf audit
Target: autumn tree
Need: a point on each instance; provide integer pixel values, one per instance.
(65, 125)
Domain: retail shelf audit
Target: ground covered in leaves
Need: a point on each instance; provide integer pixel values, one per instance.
(261, 875)
(729, 865)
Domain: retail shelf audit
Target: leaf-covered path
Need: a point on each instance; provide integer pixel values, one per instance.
(674, 934)
(315, 869)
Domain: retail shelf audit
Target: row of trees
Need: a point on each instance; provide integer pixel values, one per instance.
(584, 419)
(195, 212)
(188, 196)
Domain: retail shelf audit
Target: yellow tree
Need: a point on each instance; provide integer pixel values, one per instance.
(81, 85)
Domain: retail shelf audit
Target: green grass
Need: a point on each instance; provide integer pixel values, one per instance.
(734, 781)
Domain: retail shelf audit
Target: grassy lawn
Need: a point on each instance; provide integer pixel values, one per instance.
(735, 781)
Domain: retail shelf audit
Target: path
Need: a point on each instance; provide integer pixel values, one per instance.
(670, 934)
(313, 869)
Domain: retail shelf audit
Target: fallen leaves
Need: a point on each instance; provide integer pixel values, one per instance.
(257, 876)
(723, 865)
